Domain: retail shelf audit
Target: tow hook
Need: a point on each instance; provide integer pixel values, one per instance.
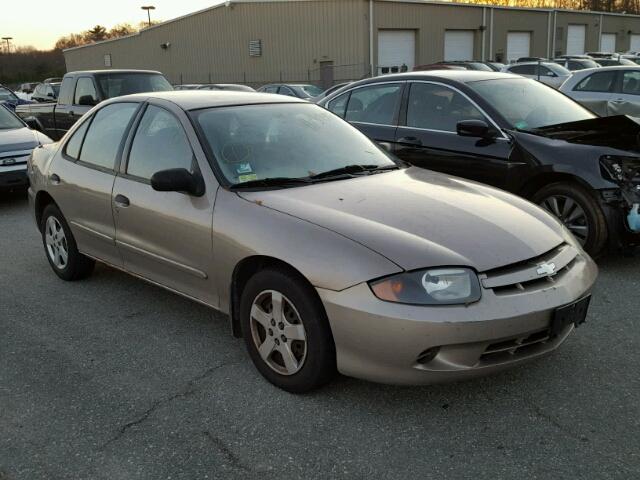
(633, 219)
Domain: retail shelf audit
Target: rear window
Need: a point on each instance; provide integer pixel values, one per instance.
(118, 84)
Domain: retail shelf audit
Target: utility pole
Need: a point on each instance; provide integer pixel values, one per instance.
(148, 8)
(7, 39)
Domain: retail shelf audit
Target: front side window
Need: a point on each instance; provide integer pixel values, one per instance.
(160, 144)
(527, 104)
(631, 82)
(256, 142)
(85, 92)
(597, 82)
(377, 104)
(436, 107)
(103, 139)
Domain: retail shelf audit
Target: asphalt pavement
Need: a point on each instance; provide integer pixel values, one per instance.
(112, 378)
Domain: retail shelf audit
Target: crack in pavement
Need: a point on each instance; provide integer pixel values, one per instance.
(233, 459)
(188, 389)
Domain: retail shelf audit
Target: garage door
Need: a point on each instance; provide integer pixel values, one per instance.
(575, 39)
(518, 45)
(635, 43)
(458, 45)
(608, 42)
(396, 48)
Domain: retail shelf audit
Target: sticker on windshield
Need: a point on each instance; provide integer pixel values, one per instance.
(247, 178)
(243, 168)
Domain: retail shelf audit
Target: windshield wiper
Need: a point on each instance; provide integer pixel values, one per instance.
(352, 170)
(271, 182)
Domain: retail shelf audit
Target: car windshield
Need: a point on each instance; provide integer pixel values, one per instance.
(480, 66)
(8, 120)
(528, 104)
(311, 90)
(283, 141)
(6, 95)
(118, 84)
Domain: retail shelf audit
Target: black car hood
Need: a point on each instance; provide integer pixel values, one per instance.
(620, 132)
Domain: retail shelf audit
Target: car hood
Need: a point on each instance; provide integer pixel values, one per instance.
(20, 139)
(418, 218)
(619, 132)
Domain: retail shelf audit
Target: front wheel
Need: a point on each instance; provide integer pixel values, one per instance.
(286, 331)
(579, 211)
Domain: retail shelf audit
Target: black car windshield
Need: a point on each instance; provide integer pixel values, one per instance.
(118, 84)
(8, 120)
(283, 141)
(527, 104)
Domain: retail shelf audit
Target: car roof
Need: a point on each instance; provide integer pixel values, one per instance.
(114, 70)
(196, 99)
(462, 76)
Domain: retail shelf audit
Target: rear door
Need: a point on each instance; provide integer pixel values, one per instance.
(165, 237)
(596, 91)
(81, 179)
(427, 136)
(626, 98)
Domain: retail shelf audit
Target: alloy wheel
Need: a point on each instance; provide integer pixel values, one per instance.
(57, 247)
(278, 332)
(570, 213)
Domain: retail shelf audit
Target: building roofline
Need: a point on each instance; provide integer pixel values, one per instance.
(230, 3)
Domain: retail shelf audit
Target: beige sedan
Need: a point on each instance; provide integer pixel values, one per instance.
(326, 254)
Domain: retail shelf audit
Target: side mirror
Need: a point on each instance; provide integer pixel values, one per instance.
(87, 100)
(474, 128)
(32, 124)
(178, 180)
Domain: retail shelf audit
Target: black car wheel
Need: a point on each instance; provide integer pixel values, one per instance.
(60, 246)
(286, 331)
(579, 211)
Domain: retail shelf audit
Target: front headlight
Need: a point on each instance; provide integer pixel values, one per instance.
(436, 286)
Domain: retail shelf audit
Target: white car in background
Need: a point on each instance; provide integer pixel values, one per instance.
(548, 73)
(606, 91)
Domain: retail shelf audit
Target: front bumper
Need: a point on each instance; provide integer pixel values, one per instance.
(13, 177)
(385, 342)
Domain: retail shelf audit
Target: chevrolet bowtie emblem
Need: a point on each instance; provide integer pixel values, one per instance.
(546, 269)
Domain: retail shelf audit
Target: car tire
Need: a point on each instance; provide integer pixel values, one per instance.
(578, 209)
(60, 247)
(293, 349)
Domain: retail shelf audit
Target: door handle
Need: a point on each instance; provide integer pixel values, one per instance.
(410, 141)
(55, 179)
(121, 201)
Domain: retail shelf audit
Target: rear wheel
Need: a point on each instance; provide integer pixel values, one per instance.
(286, 331)
(579, 211)
(60, 246)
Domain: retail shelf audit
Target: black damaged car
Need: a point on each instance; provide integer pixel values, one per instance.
(513, 133)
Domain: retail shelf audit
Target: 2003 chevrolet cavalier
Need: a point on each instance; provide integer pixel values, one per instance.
(326, 254)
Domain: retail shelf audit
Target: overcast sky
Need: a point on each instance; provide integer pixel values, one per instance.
(41, 22)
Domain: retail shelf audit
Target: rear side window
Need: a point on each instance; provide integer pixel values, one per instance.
(160, 143)
(377, 104)
(524, 69)
(436, 107)
(72, 149)
(596, 82)
(631, 83)
(339, 105)
(85, 88)
(103, 139)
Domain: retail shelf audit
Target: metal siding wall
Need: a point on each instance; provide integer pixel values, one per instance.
(430, 21)
(296, 37)
(506, 21)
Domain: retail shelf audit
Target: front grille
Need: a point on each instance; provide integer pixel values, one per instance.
(9, 159)
(534, 274)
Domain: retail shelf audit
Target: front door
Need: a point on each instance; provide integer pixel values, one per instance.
(70, 112)
(596, 91)
(427, 137)
(626, 99)
(164, 236)
(86, 170)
